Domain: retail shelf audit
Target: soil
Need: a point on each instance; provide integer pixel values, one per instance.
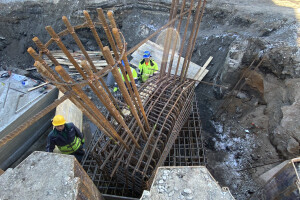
(249, 127)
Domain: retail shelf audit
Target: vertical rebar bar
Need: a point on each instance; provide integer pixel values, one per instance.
(58, 41)
(46, 71)
(108, 103)
(168, 39)
(189, 46)
(183, 39)
(127, 66)
(195, 37)
(85, 98)
(177, 36)
(93, 29)
(118, 79)
(114, 48)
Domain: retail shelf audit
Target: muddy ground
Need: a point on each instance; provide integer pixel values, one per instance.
(248, 128)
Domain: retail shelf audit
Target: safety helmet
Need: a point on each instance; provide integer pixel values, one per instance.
(58, 120)
(146, 54)
(123, 63)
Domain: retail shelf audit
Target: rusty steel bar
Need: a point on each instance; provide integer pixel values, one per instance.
(145, 149)
(72, 60)
(127, 66)
(154, 34)
(167, 43)
(189, 46)
(33, 119)
(175, 42)
(108, 103)
(85, 98)
(46, 71)
(44, 50)
(65, 50)
(118, 79)
(114, 48)
(78, 42)
(110, 16)
(195, 37)
(105, 26)
(93, 29)
(183, 39)
(66, 32)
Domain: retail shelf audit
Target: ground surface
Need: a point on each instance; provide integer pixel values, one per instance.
(249, 128)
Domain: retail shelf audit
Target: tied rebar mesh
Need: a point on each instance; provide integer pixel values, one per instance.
(127, 173)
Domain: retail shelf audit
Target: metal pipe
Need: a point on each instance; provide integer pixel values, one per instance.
(108, 103)
(118, 79)
(127, 66)
(85, 98)
(189, 46)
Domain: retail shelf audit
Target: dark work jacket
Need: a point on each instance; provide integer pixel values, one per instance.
(62, 138)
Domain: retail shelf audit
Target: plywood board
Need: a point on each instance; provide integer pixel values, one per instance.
(157, 52)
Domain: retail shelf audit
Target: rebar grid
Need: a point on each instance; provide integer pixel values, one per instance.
(167, 108)
(188, 149)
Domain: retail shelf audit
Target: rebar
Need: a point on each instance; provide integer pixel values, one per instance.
(127, 66)
(122, 87)
(105, 124)
(190, 45)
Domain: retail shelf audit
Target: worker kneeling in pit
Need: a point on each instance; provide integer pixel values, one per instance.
(67, 137)
(147, 67)
(134, 74)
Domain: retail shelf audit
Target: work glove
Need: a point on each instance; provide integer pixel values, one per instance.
(82, 141)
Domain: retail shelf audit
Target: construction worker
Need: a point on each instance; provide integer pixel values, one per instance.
(134, 74)
(147, 67)
(67, 137)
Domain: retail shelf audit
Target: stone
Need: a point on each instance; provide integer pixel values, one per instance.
(171, 193)
(187, 191)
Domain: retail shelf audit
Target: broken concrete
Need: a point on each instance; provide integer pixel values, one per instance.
(48, 176)
(185, 183)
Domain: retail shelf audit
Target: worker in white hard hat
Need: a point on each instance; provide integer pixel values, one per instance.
(67, 137)
(147, 67)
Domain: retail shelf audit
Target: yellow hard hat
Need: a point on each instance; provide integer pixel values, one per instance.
(58, 120)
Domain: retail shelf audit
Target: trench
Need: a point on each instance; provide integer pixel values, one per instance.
(239, 124)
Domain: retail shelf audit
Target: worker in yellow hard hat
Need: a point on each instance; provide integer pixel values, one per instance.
(147, 67)
(67, 137)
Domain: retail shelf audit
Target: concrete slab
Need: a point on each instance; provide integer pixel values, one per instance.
(185, 183)
(48, 176)
(17, 105)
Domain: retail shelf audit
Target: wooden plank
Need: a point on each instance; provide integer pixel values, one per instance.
(33, 88)
(157, 52)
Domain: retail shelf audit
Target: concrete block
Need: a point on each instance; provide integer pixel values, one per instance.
(47, 176)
